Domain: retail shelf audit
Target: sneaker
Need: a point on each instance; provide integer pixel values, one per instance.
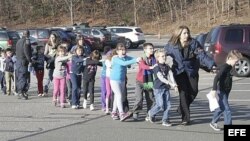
(150, 119)
(39, 95)
(215, 126)
(167, 124)
(115, 116)
(135, 116)
(92, 107)
(125, 116)
(74, 107)
(84, 104)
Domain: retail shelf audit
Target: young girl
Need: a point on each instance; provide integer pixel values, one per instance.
(38, 60)
(117, 79)
(76, 76)
(103, 81)
(89, 77)
(164, 80)
(109, 55)
(223, 82)
(60, 74)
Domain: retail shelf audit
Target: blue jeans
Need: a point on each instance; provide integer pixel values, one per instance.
(223, 109)
(162, 103)
(76, 87)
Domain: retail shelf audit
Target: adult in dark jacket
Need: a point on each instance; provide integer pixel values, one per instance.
(188, 56)
(23, 56)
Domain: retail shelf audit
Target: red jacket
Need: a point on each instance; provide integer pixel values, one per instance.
(142, 66)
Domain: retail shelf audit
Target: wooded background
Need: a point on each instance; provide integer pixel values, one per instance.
(154, 16)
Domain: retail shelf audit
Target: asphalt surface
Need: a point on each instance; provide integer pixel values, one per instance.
(37, 119)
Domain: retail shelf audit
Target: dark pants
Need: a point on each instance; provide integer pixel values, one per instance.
(69, 88)
(76, 88)
(2, 82)
(88, 86)
(188, 90)
(22, 77)
(39, 77)
(149, 96)
(49, 80)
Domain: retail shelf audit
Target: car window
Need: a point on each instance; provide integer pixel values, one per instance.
(3, 35)
(95, 32)
(13, 35)
(212, 35)
(138, 30)
(234, 36)
(86, 31)
(43, 34)
(125, 30)
(33, 33)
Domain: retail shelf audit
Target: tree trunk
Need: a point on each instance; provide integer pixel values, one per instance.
(135, 13)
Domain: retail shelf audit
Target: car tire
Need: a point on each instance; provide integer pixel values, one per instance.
(242, 68)
(128, 43)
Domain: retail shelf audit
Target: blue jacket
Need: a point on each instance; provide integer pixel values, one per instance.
(77, 64)
(119, 67)
(196, 58)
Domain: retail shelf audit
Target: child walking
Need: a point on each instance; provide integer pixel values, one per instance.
(9, 70)
(164, 80)
(89, 74)
(77, 67)
(39, 59)
(59, 75)
(117, 79)
(223, 84)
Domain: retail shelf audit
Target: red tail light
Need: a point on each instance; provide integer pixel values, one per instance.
(217, 48)
(10, 43)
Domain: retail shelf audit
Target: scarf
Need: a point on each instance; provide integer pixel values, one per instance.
(148, 77)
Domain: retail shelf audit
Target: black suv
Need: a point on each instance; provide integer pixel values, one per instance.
(221, 39)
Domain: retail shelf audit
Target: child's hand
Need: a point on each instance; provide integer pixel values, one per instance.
(176, 89)
(138, 59)
(152, 67)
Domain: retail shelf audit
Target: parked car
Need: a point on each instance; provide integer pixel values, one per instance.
(224, 38)
(92, 41)
(201, 38)
(133, 35)
(102, 34)
(8, 39)
(41, 34)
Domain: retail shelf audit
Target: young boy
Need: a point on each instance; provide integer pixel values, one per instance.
(223, 80)
(9, 70)
(2, 67)
(144, 81)
(164, 80)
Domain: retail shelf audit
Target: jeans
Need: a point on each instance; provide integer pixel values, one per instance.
(162, 103)
(76, 88)
(223, 109)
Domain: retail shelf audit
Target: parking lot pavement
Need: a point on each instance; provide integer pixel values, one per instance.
(37, 119)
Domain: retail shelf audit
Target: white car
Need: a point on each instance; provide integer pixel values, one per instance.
(133, 35)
